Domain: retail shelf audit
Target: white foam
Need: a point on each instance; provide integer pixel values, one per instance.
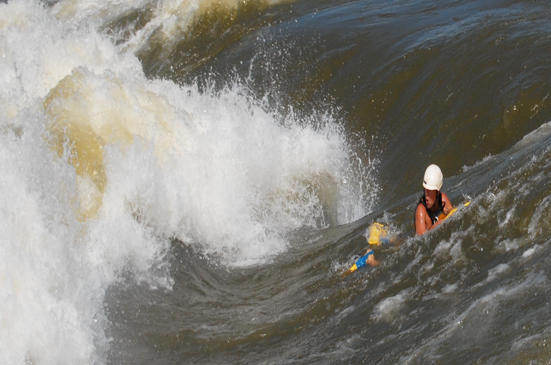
(529, 252)
(452, 248)
(390, 308)
(170, 19)
(102, 167)
(48, 293)
(497, 271)
(478, 319)
(449, 288)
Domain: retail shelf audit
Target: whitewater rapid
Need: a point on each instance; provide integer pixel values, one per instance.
(103, 170)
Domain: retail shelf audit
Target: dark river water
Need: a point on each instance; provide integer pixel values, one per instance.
(185, 181)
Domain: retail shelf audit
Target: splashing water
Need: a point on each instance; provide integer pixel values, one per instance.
(103, 169)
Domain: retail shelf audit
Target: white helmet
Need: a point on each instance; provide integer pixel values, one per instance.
(433, 178)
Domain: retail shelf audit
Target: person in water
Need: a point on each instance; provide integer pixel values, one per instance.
(378, 234)
(433, 205)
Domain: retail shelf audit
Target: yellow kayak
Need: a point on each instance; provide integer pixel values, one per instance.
(454, 209)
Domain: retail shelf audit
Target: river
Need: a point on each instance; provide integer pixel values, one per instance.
(185, 181)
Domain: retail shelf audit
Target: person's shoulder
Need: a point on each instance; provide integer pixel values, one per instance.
(447, 203)
(420, 209)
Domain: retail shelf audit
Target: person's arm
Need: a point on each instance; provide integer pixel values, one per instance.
(421, 220)
(371, 258)
(448, 207)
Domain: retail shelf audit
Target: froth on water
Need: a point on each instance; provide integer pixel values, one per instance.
(103, 169)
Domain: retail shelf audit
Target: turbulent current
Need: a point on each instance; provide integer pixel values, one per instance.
(185, 181)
